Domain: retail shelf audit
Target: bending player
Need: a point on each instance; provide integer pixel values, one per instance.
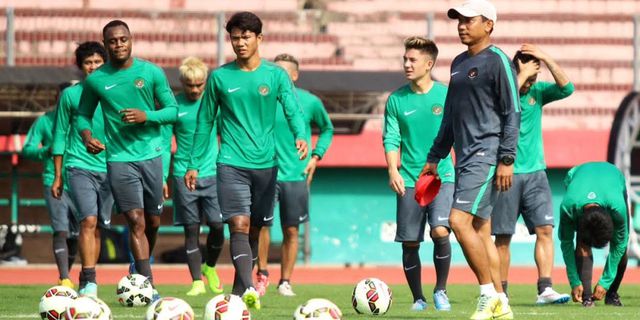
(86, 173)
(530, 195)
(594, 213)
(246, 94)
(127, 88)
(294, 179)
(412, 119)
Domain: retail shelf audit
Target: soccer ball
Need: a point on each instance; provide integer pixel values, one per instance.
(89, 308)
(134, 290)
(371, 296)
(169, 309)
(318, 309)
(54, 302)
(226, 307)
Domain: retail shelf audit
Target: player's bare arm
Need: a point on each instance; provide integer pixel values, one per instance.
(576, 293)
(190, 179)
(504, 176)
(92, 144)
(310, 169)
(431, 169)
(303, 148)
(56, 186)
(558, 74)
(527, 70)
(396, 182)
(599, 292)
(133, 116)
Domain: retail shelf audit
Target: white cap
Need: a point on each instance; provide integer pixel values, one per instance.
(474, 8)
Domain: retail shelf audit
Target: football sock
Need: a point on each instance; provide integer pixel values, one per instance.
(72, 246)
(144, 268)
(194, 257)
(263, 272)
(283, 281)
(488, 290)
(61, 253)
(585, 270)
(413, 270)
(505, 285)
(544, 283)
(622, 267)
(87, 275)
(441, 261)
(215, 241)
(253, 243)
(241, 257)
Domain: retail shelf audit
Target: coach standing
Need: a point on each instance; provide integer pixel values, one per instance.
(482, 117)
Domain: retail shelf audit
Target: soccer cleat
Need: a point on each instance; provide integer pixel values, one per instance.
(485, 307)
(197, 288)
(284, 289)
(502, 311)
(441, 300)
(419, 305)
(155, 296)
(612, 299)
(251, 298)
(90, 289)
(588, 303)
(212, 278)
(550, 296)
(66, 282)
(262, 283)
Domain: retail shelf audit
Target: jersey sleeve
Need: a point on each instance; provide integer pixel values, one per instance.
(204, 124)
(566, 234)
(444, 140)
(508, 105)
(291, 106)
(391, 130)
(321, 118)
(32, 149)
(618, 244)
(88, 104)
(551, 92)
(61, 125)
(167, 133)
(169, 111)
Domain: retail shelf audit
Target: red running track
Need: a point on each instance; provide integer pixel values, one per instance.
(178, 274)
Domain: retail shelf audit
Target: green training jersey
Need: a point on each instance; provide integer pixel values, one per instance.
(184, 130)
(411, 122)
(290, 167)
(247, 102)
(167, 134)
(530, 154)
(136, 87)
(66, 138)
(38, 145)
(598, 183)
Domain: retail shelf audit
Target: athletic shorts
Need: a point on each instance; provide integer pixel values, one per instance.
(411, 218)
(293, 197)
(475, 190)
(198, 206)
(247, 192)
(529, 196)
(91, 194)
(137, 185)
(62, 213)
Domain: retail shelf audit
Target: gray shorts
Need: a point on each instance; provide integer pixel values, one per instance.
(91, 195)
(475, 190)
(248, 192)
(195, 207)
(137, 185)
(293, 197)
(411, 217)
(62, 213)
(529, 196)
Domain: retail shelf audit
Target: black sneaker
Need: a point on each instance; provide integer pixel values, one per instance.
(588, 303)
(612, 299)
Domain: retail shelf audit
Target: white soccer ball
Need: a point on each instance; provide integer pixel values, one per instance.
(169, 308)
(87, 308)
(371, 296)
(54, 302)
(317, 309)
(134, 290)
(226, 307)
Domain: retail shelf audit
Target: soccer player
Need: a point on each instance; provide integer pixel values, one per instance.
(246, 93)
(594, 212)
(530, 195)
(481, 120)
(61, 210)
(86, 173)
(201, 205)
(126, 88)
(294, 179)
(412, 120)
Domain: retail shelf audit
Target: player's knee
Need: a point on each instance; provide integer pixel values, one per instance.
(290, 234)
(89, 223)
(411, 244)
(439, 232)
(239, 224)
(216, 227)
(544, 232)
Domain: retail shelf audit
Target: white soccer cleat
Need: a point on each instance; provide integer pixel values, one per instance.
(285, 289)
(550, 296)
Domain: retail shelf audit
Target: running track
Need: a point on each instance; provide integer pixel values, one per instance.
(178, 274)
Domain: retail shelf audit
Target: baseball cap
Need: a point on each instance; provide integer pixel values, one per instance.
(473, 8)
(426, 189)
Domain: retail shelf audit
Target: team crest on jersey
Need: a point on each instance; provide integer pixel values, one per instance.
(591, 195)
(532, 101)
(139, 83)
(436, 110)
(263, 89)
(472, 73)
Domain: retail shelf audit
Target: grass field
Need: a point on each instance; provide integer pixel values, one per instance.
(21, 302)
